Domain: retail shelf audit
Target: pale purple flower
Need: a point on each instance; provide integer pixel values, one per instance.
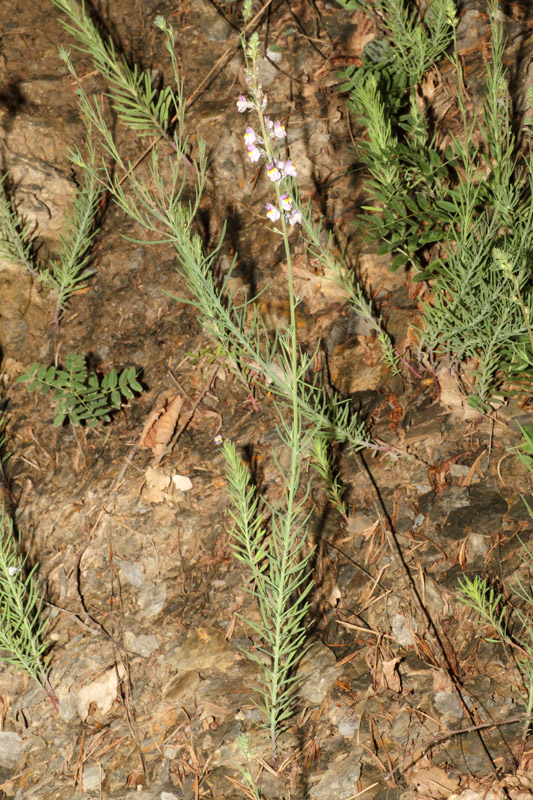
(249, 136)
(254, 153)
(243, 104)
(295, 217)
(268, 123)
(272, 212)
(273, 173)
(289, 169)
(286, 202)
(279, 130)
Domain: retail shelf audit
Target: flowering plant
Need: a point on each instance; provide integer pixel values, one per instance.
(288, 209)
(277, 170)
(278, 558)
(265, 144)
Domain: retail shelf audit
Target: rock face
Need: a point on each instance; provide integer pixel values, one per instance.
(39, 178)
(44, 196)
(156, 652)
(340, 778)
(10, 749)
(42, 193)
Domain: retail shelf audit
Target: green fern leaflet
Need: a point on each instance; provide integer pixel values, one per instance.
(79, 395)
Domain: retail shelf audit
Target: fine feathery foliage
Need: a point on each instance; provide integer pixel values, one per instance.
(278, 559)
(137, 103)
(80, 395)
(525, 449)
(15, 239)
(460, 215)
(413, 39)
(500, 614)
(22, 622)
(69, 273)
(276, 554)
(324, 463)
(483, 279)
(409, 176)
(280, 576)
(478, 594)
(321, 246)
(158, 207)
(251, 788)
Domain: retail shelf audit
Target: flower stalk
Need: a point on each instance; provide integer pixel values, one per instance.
(278, 560)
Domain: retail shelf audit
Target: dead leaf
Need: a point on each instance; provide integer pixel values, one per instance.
(160, 426)
(135, 779)
(363, 34)
(334, 596)
(390, 677)
(182, 482)
(157, 479)
(207, 709)
(11, 369)
(470, 794)
(373, 353)
(441, 681)
(466, 480)
(452, 398)
(152, 495)
(318, 288)
(438, 474)
(432, 782)
(103, 692)
(156, 486)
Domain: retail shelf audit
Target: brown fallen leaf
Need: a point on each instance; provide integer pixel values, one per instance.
(432, 782)
(390, 677)
(156, 488)
(466, 480)
(182, 482)
(452, 398)
(364, 32)
(160, 426)
(135, 779)
(157, 479)
(102, 692)
(441, 681)
(153, 416)
(438, 474)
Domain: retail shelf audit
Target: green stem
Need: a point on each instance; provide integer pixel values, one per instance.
(295, 428)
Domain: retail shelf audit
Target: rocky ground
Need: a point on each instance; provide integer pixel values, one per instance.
(402, 693)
